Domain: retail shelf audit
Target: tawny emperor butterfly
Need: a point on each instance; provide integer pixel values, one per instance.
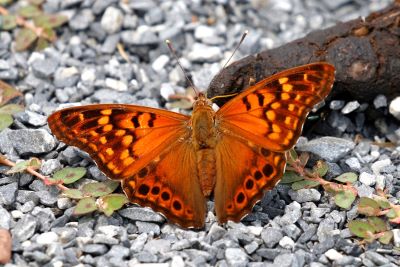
(172, 162)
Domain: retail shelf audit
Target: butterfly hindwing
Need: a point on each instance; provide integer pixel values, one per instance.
(272, 112)
(169, 184)
(243, 178)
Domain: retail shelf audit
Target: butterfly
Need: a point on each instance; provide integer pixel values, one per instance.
(173, 163)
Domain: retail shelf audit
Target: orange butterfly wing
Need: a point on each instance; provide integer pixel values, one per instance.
(148, 149)
(257, 127)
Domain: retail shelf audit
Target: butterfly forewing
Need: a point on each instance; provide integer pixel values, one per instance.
(272, 112)
(256, 128)
(120, 138)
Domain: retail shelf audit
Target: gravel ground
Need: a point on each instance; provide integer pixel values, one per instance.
(287, 228)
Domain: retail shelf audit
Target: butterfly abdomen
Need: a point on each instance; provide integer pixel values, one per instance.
(206, 170)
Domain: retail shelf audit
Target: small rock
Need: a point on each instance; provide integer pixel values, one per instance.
(286, 260)
(95, 249)
(138, 243)
(353, 163)
(235, 257)
(287, 243)
(333, 255)
(271, 236)
(377, 166)
(394, 108)
(146, 227)
(380, 101)
(146, 256)
(142, 36)
(329, 148)
(82, 19)
(31, 141)
(112, 19)
(141, 214)
(5, 218)
(396, 237)
(292, 213)
(367, 179)
(44, 68)
(32, 118)
(66, 77)
(24, 228)
(116, 84)
(305, 195)
(350, 107)
(204, 53)
(376, 258)
(336, 104)
(204, 32)
(252, 247)
(8, 194)
(47, 238)
(158, 246)
(154, 16)
(118, 251)
(50, 166)
(160, 63)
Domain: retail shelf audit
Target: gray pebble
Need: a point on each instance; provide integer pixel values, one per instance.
(5, 218)
(380, 101)
(146, 256)
(8, 194)
(24, 228)
(158, 246)
(271, 236)
(82, 20)
(305, 195)
(31, 141)
(112, 19)
(376, 257)
(141, 214)
(329, 148)
(236, 257)
(44, 68)
(66, 77)
(292, 213)
(350, 107)
(95, 249)
(147, 227)
(353, 163)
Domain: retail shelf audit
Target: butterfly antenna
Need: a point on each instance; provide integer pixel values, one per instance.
(171, 48)
(236, 48)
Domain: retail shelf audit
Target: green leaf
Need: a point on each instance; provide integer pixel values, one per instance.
(386, 238)
(29, 11)
(110, 203)
(7, 93)
(85, 206)
(361, 229)
(49, 34)
(8, 22)
(5, 121)
(25, 38)
(383, 202)
(321, 168)
(41, 44)
(50, 21)
(36, 2)
(304, 157)
(290, 177)
(378, 224)
(292, 156)
(11, 109)
(368, 206)
(304, 184)
(347, 177)
(5, 2)
(73, 193)
(23, 165)
(100, 189)
(344, 199)
(68, 175)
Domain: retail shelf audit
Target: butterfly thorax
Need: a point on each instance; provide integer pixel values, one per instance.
(204, 138)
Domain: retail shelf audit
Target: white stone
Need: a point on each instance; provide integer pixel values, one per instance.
(394, 107)
(112, 20)
(333, 255)
(109, 230)
(396, 237)
(177, 261)
(88, 76)
(367, 178)
(160, 63)
(47, 238)
(16, 214)
(380, 164)
(287, 243)
(203, 31)
(116, 85)
(255, 230)
(205, 53)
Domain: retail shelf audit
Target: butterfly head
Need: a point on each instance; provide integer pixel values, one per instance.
(202, 102)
